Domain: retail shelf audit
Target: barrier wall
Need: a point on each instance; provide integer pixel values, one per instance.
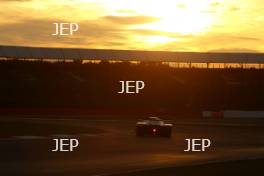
(243, 114)
(233, 114)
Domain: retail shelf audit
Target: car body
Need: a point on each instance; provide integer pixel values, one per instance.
(153, 126)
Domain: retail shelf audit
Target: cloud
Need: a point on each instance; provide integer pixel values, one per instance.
(237, 38)
(234, 8)
(130, 20)
(31, 24)
(181, 5)
(215, 4)
(92, 33)
(216, 42)
(14, 0)
(234, 50)
(104, 34)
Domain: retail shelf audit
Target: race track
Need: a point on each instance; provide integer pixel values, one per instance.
(109, 146)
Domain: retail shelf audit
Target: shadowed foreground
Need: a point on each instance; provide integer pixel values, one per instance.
(110, 146)
(232, 168)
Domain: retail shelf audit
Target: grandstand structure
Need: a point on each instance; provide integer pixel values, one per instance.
(174, 59)
(93, 86)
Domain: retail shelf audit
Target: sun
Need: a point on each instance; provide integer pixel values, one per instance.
(182, 23)
(184, 17)
(174, 18)
(178, 16)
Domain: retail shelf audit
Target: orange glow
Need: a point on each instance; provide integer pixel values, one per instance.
(175, 25)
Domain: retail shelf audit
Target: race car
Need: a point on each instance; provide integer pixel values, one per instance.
(153, 126)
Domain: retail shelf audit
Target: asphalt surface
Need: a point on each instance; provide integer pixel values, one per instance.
(109, 146)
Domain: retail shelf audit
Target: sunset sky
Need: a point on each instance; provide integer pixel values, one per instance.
(172, 25)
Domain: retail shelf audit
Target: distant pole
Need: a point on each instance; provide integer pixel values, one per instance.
(242, 65)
